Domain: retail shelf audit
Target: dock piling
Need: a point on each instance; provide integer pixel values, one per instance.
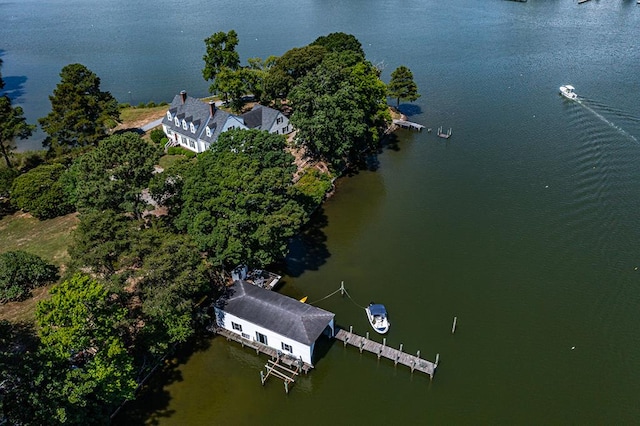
(453, 328)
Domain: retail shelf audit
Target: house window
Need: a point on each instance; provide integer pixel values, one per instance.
(184, 124)
(208, 132)
(285, 130)
(261, 338)
(193, 128)
(168, 116)
(287, 348)
(279, 120)
(236, 326)
(177, 122)
(246, 336)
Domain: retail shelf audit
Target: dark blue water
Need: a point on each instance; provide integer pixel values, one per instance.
(523, 224)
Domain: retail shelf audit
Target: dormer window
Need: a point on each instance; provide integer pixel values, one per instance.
(279, 120)
(208, 132)
(192, 128)
(177, 122)
(184, 124)
(169, 115)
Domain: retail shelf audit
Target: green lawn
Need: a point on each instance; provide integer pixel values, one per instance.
(48, 239)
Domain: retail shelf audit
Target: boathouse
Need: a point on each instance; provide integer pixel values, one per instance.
(282, 323)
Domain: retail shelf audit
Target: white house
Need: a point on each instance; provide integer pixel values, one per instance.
(195, 125)
(280, 322)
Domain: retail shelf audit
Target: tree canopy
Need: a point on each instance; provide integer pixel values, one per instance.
(20, 272)
(13, 125)
(220, 53)
(237, 210)
(81, 331)
(340, 42)
(113, 175)
(39, 192)
(80, 112)
(402, 85)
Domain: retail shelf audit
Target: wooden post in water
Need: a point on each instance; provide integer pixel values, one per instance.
(367, 335)
(361, 345)
(400, 347)
(453, 328)
(286, 386)
(418, 355)
(384, 342)
(342, 288)
(262, 377)
(437, 359)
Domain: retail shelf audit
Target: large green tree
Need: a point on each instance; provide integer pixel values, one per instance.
(82, 333)
(81, 113)
(402, 85)
(39, 192)
(340, 42)
(338, 107)
(220, 53)
(113, 175)
(290, 68)
(20, 272)
(13, 125)
(237, 210)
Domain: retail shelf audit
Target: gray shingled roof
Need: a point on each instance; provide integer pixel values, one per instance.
(260, 117)
(282, 314)
(193, 110)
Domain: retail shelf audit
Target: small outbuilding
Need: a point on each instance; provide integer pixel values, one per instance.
(274, 320)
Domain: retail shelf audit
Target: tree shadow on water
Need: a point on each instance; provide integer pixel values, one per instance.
(308, 250)
(14, 87)
(152, 401)
(410, 109)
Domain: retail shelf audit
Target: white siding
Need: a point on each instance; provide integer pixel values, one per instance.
(274, 340)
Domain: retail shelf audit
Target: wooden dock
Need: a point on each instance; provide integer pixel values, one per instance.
(442, 134)
(414, 362)
(408, 125)
(291, 362)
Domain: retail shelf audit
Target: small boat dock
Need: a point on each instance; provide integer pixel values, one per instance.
(442, 134)
(408, 125)
(381, 350)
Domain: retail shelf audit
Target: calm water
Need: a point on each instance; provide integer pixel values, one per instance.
(524, 224)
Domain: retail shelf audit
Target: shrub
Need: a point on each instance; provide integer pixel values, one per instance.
(141, 105)
(178, 150)
(315, 185)
(151, 104)
(20, 272)
(39, 191)
(124, 105)
(163, 103)
(157, 135)
(7, 176)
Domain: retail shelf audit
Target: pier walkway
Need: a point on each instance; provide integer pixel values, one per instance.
(408, 125)
(414, 362)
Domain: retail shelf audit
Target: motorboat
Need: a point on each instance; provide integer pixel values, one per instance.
(377, 315)
(568, 92)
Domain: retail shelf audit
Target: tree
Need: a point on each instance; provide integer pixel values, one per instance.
(39, 192)
(81, 330)
(290, 68)
(113, 175)
(80, 113)
(338, 107)
(340, 42)
(20, 272)
(101, 240)
(237, 210)
(221, 53)
(402, 85)
(263, 146)
(13, 125)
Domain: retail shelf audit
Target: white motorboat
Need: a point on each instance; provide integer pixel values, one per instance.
(377, 315)
(568, 92)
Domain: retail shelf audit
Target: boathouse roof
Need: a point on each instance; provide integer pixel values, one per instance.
(284, 315)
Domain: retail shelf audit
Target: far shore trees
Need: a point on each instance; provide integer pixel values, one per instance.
(402, 85)
(80, 113)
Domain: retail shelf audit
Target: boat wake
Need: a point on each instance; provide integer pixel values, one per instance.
(585, 103)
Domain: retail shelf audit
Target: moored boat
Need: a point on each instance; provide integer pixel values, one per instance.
(568, 92)
(377, 315)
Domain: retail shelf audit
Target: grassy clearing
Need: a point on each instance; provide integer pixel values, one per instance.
(132, 115)
(167, 161)
(48, 239)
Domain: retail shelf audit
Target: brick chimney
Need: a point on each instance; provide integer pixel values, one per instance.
(212, 107)
(183, 95)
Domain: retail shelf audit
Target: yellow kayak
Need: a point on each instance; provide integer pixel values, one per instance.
(304, 299)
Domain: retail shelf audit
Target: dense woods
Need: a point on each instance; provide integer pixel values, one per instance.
(140, 283)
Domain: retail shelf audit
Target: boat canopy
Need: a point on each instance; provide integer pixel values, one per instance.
(377, 309)
(570, 87)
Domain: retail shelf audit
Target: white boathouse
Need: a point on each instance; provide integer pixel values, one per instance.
(274, 320)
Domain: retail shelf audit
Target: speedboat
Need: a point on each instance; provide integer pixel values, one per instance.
(377, 315)
(568, 92)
